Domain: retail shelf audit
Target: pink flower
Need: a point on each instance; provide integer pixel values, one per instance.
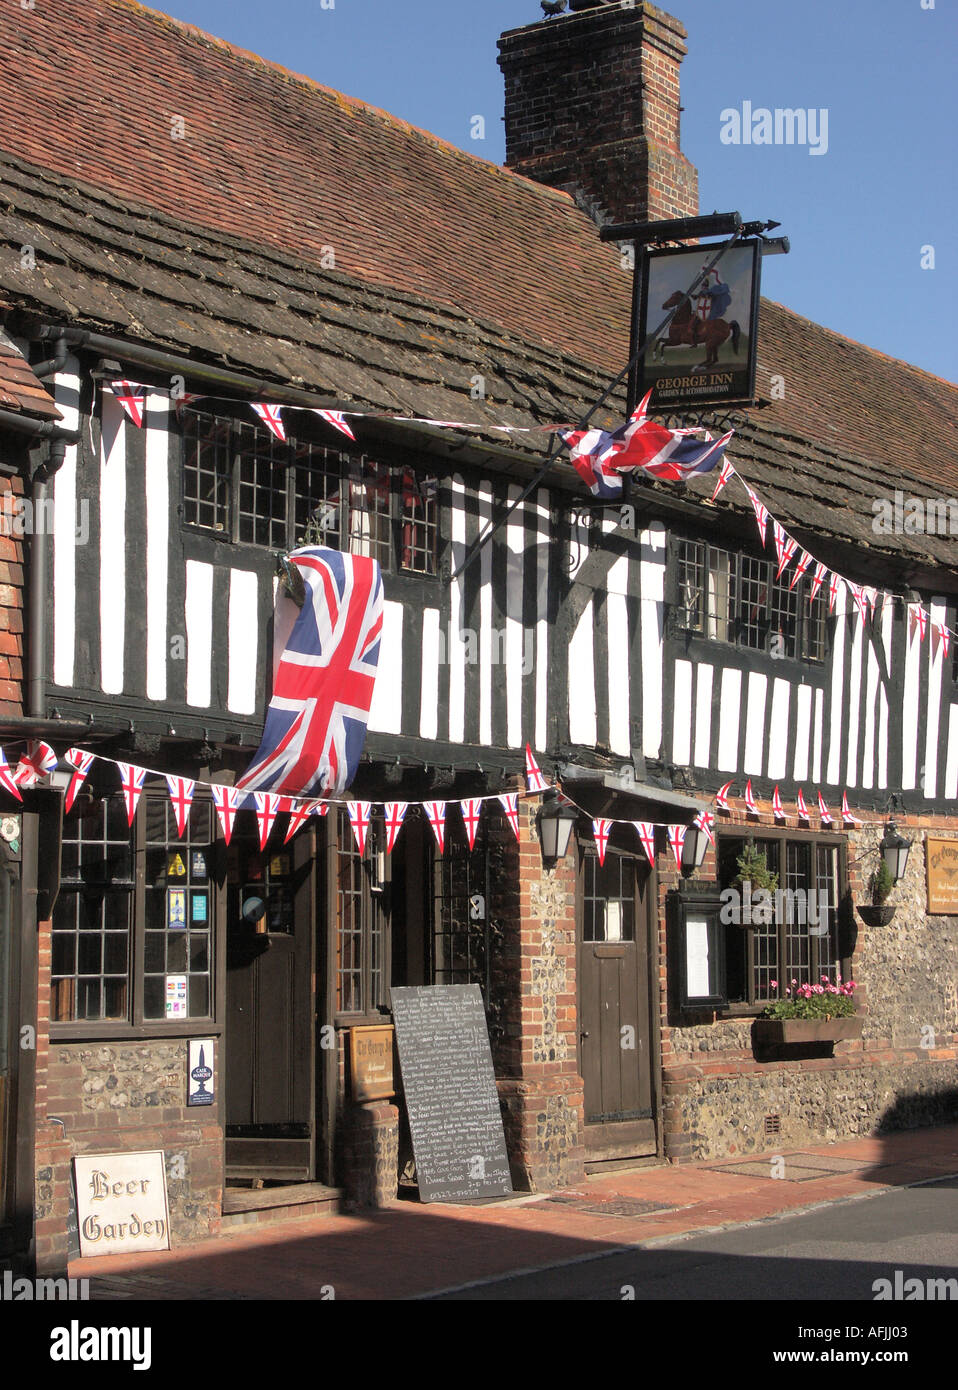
(774, 984)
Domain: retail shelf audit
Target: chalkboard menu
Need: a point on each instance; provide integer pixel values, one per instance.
(450, 1089)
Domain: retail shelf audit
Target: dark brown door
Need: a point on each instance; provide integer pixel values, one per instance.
(270, 1100)
(615, 1036)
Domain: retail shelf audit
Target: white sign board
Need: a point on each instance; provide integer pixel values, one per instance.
(121, 1203)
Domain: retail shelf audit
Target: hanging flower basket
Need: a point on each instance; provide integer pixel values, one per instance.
(875, 914)
(789, 1031)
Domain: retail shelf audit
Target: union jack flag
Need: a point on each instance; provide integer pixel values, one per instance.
(777, 808)
(825, 813)
(760, 510)
(38, 760)
(859, 597)
(944, 638)
(847, 816)
(833, 585)
(535, 782)
(358, 812)
(917, 621)
(785, 547)
(6, 777)
(316, 721)
(871, 594)
(132, 397)
(510, 804)
(337, 419)
(267, 809)
(299, 811)
(131, 783)
(721, 798)
(227, 803)
(435, 813)
(395, 813)
(802, 808)
(801, 565)
(750, 799)
(723, 477)
(602, 830)
(270, 416)
(704, 821)
(471, 811)
(646, 832)
(677, 840)
(671, 454)
(820, 572)
(181, 795)
(81, 762)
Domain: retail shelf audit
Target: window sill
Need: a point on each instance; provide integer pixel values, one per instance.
(133, 1032)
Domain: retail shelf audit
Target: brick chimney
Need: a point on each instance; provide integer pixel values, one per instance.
(592, 106)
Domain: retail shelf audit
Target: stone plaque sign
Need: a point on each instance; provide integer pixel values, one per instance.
(121, 1203)
(371, 1062)
(941, 868)
(450, 1090)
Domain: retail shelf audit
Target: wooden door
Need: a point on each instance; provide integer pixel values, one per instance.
(270, 1079)
(614, 991)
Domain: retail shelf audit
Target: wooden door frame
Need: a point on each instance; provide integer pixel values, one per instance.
(652, 928)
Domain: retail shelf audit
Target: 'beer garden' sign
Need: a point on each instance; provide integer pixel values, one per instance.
(121, 1203)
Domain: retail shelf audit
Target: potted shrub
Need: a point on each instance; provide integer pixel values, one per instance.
(810, 1013)
(757, 886)
(876, 914)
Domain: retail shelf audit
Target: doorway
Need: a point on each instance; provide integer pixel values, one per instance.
(615, 920)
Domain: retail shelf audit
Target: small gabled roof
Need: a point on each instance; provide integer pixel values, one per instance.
(20, 390)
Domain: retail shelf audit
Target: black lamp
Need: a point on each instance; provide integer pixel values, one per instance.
(895, 849)
(556, 819)
(694, 847)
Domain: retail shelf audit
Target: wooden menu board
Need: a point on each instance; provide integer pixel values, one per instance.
(450, 1090)
(941, 868)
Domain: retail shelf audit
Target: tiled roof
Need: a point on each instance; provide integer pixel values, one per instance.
(446, 267)
(20, 390)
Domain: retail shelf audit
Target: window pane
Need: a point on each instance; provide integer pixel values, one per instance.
(206, 471)
(262, 467)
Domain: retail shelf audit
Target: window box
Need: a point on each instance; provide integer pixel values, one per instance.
(785, 1032)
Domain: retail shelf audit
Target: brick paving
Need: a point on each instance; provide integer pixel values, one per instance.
(409, 1250)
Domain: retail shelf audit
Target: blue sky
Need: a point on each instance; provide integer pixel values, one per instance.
(858, 216)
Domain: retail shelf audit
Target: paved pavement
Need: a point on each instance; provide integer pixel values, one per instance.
(410, 1250)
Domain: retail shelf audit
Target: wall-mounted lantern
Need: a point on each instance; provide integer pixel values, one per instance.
(556, 821)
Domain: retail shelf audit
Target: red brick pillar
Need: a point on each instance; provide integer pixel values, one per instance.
(52, 1158)
(540, 1085)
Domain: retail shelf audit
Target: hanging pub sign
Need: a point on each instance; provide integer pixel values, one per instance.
(706, 354)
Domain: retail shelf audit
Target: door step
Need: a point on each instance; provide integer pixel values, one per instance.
(245, 1206)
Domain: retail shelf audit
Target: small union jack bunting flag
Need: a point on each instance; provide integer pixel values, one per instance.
(132, 397)
(761, 512)
(319, 808)
(131, 782)
(802, 808)
(723, 477)
(939, 631)
(704, 821)
(267, 809)
(226, 800)
(859, 597)
(646, 833)
(721, 798)
(535, 782)
(6, 777)
(185, 398)
(299, 811)
(871, 595)
(777, 808)
(602, 829)
(337, 419)
(847, 816)
(471, 811)
(917, 621)
(435, 813)
(81, 762)
(785, 547)
(750, 799)
(820, 572)
(38, 760)
(358, 812)
(510, 804)
(270, 416)
(834, 584)
(677, 840)
(824, 812)
(801, 565)
(181, 795)
(395, 814)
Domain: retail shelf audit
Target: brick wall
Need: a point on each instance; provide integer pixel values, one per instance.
(593, 107)
(717, 1094)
